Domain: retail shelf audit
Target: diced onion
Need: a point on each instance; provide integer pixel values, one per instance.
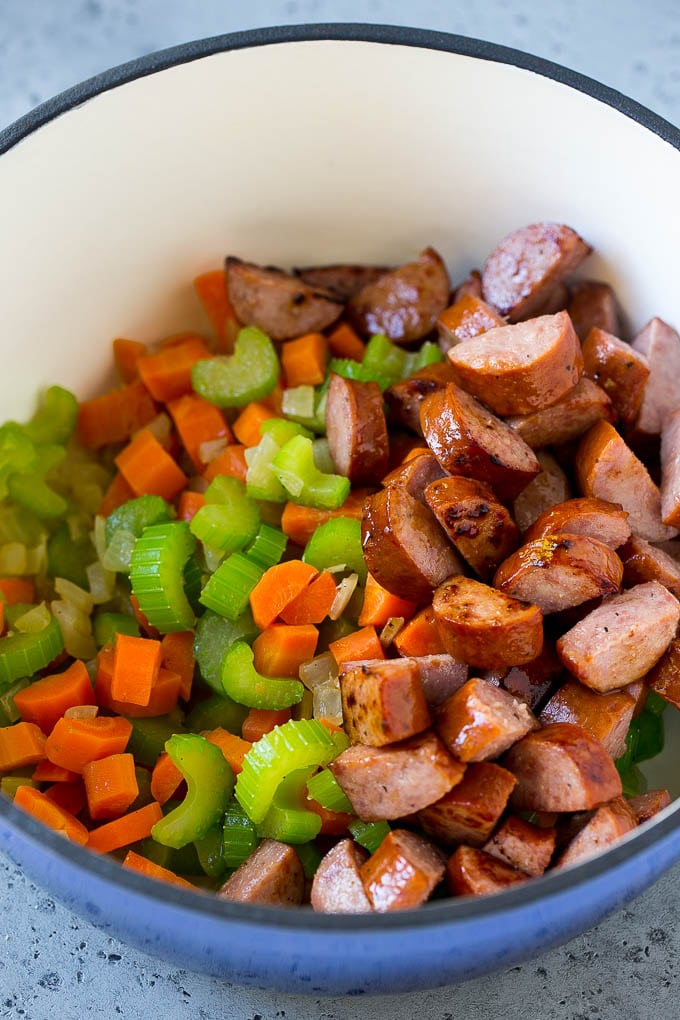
(76, 629)
(87, 495)
(213, 557)
(81, 712)
(33, 621)
(344, 594)
(298, 402)
(99, 536)
(322, 669)
(70, 592)
(101, 582)
(211, 448)
(327, 702)
(13, 559)
(390, 630)
(160, 427)
(36, 558)
(118, 555)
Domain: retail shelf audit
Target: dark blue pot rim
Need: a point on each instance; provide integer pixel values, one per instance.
(445, 912)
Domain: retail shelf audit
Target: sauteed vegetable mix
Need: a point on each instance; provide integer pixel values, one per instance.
(371, 596)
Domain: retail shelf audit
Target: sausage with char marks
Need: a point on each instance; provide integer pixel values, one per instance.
(343, 281)
(585, 515)
(473, 872)
(565, 420)
(481, 721)
(356, 429)
(670, 471)
(469, 316)
(470, 811)
(404, 398)
(607, 717)
(522, 845)
(618, 369)
(550, 486)
(644, 562)
(383, 701)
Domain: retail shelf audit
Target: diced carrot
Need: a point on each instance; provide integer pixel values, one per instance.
(127, 829)
(380, 605)
(280, 650)
(17, 589)
(118, 492)
(45, 700)
(141, 619)
(232, 461)
(232, 747)
(420, 635)
(149, 469)
(126, 354)
(262, 720)
(164, 693)
(69, 796)
(177, 655)
(47, 772)
(49, 813)
(110, 785)
(177, 339)
(114, 417)
(166, 778)
(21, 744)
(143, 866)
(304, 360)
(167, 373)
(246, 428)
(189, 504)
(197, 421)
(361, 644)
(75, 742)
(136, 661)
(333, 823)
(211, 289)
(300, 522)
(345, 343)
(277, 588)
(314, 602)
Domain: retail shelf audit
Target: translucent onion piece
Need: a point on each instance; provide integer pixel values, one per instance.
(102, 583)
(327, 702)
(13, 559)
(345, 591)
(390, 630)
(211, 448)
(71, 592)
(322, 669)
(34, 620)
(81, 712)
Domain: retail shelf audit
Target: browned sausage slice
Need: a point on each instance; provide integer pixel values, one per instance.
(356, 429)
(550, 486)
(522, 845)
(670, 471)
(607, 826)
(606, 716)
(276, 302)
(468, 440)
(403, 871)
(343, 281)
(480, 527)
(585, 515)
(404, 547)
(660, 344)
(470, 811)
(568, 419)
(522, 271)
(468, 316)
(484, 627)
(559, 571)
(415, 474)
(383, 701)
(608, 469)
(561, 768)
(272, 875)
(592, 305)
(404, 398)
(481, 721)
(520, 368)
(472, 284)
(622, 639)
(644, 562)
(473, 872)
(532, 681)
(556, 301)
(618, 369)
(337, 887)
(394, 781)
(404, 303)
(646, 805)
(440, 676)
(664, 679)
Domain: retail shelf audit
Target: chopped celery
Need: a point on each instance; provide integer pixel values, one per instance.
(287, 819)
(213, 637)
(228, 589)
(157, 575)
(24, 654)
(239, 836)
(385, 363)
(261, 482)
(137, 514)
(210, 851)
(32, 493)
(9, 713)
(311, 857)
(68, 558)
(268, 546)
(230, 518)
(56, 418)
(369, 834)
(307, 406)
(244, 684)
(281, 430)
(216, 711)
(326, 791)
(294, 467)
(183, 861)
(337, 542)
(235, 380)
(106, 625)
(149, 735)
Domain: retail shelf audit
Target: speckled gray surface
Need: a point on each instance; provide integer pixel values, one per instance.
(50, 960)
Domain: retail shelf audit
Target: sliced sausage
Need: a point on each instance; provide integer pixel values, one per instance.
(525, 267)
(440, 676)
(531, 682)
(468, 440)
(561, 768)
(618, 369)
(480, 721)
(404, 303)
(470, 811)
(607, 826)
(480, 527)
(622, 639)
(556, 301)
(472, 872)
(276, 302)
(523, 846)
(472, 284)
(337, 887)
(670, 470)
(403, 872)
(420, 635)
(521, 368)
(608, 469)
(646, 805)
(484, 627)
(644, 562)
(592, 305)
(664, 679)
(272, 875)
(559, 571)
(356, 429)
(383, 701)
(394, 781)
(568, 419)
(550, 486)
(594, 518)
(415, 474)
(468, 316)
(404, 398)
(606, 717)
(343, 281)
(660, 344)
(404, 547)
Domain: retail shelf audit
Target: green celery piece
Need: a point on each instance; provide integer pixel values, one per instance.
(261, 482)
(230, 518)
(294, 467)
(183, 861)
(326, 791)
(287, 820)
(149, 735)
(282, 429)
(310, 856)
(56, 418)
(32, 493)
(331, 630)
(22, 655)
(268, 546)
(348, 368)
(429, 354)
(17, 454)
(137, 514)
(650, 736)
(383, 362)
(307, 406)
(210, 851)
(213, 637)
(334, 542)
(144, 796)
(68, 558)
(217, 710)
(210, 784)
(655, 703)
(228, 590)
(157, 575)
(105, 626)
(239, 837)
(9, 713)
(633, 782)
(244, 684)
(235, 380)
(369, 834)
(10, 784)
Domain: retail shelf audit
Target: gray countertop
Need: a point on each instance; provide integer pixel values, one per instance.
(50, 960)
